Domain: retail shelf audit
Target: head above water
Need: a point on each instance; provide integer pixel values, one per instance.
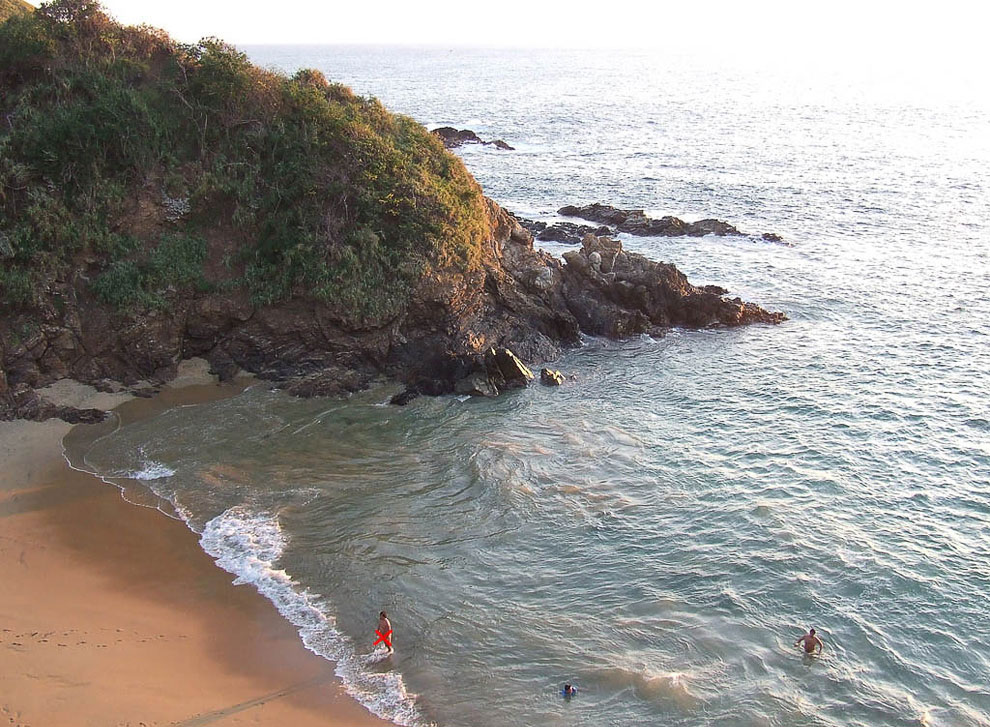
(810, 631)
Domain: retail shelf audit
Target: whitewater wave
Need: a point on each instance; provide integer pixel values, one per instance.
(149, 471)
(249, 545)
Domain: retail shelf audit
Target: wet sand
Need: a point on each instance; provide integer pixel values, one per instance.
(112, 615)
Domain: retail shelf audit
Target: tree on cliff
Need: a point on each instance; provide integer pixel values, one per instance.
(133, 167)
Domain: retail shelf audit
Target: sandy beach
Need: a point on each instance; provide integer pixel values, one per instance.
(111, 614)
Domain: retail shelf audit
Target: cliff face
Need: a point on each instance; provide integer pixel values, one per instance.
(160, 202)
(519, 298)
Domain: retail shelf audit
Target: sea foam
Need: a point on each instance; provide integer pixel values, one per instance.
(249, 545)
(150, 471)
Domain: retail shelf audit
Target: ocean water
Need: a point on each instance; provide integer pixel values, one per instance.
(661, 529)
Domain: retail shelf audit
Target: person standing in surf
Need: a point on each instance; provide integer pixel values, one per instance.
(385, 630)
(809, 641)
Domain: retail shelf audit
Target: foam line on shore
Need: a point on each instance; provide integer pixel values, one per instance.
(249, 545)
(149, 472)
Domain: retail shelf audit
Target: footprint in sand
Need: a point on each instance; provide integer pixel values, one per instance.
(13, 717)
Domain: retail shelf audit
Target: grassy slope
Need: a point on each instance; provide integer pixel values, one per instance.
(11, 7)
(152, 167)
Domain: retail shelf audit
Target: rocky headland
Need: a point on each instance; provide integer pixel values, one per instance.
(463, 333)
(321, 246)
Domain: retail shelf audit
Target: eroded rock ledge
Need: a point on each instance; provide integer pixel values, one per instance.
(633, 222)
(453, 138)
(451, 336)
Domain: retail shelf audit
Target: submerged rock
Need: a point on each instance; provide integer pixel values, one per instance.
(405, 396)
(477, 384)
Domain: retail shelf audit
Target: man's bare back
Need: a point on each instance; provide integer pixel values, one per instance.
(810, 641)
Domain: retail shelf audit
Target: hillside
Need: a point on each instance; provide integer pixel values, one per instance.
(13, 7)
(131, 150)
(160, 201)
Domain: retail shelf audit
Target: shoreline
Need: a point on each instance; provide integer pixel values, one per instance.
(112, 613)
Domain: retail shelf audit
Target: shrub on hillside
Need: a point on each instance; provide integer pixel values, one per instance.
(326, 193)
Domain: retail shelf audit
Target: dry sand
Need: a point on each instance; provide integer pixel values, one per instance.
(112, 615)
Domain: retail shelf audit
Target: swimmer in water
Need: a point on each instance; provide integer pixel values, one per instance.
(569, 690)
(809, 641)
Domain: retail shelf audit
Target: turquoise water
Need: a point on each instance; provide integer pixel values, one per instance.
(660, 530)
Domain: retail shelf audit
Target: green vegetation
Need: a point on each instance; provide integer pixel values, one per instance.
(141, 160)
(13, 7)
(176, 261)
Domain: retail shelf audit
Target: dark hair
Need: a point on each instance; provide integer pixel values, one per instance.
(812, 631)
(385, 615)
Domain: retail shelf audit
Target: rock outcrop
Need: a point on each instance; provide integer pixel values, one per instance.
(453, 138)
(615, 293)
(452, 336)
(498, 370)
(565, 232)
(23, 402)
(635, 222)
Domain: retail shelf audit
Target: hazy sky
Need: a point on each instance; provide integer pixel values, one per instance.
(947, 32)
